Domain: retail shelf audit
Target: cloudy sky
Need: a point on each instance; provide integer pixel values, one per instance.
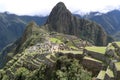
(43, 7)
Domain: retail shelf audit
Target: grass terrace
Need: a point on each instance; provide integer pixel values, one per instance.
(97, 49)
(117, 66)
(55, 40)
(109, 72)
(73, 52)
(101, 75)
(89, 58)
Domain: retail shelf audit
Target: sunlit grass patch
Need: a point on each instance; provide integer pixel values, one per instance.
(117, 66)
(55, 40)
(97, 49)
(89, 58)
(109, 72)
(73, 52)
(101, 75)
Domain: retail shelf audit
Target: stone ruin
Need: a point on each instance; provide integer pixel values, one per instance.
(103, 62)
(107, 63)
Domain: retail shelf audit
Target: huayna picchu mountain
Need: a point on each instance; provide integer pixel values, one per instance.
(62, 20)
(62, 49)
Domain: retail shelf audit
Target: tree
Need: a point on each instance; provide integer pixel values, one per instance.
(21, 73)
(70, 69)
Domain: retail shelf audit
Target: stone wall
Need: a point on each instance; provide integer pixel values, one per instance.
(70, 55)
(91, 65)
(95, 55)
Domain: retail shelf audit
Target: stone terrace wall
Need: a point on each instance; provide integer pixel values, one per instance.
(70, 55)
(91, 65)
(95, 55)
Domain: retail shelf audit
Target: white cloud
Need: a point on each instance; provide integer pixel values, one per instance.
(43, 7)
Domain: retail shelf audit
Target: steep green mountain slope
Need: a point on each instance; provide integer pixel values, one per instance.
(109, 21)
(61, 20)
(33, 34)
(12, 27)
(36, 51)
(41, 54)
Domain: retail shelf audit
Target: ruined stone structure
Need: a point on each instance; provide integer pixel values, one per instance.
(110, 61)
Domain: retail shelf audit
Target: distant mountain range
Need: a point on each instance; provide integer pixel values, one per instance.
(12, 26)
(109, 21)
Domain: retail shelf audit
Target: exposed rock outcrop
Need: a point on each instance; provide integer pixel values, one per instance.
(61, 20)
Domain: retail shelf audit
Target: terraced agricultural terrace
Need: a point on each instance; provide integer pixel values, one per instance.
(103, 62)
(42, 47)
(108, 56)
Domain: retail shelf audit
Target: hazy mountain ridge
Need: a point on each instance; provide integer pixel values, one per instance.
(12, 27)
(109, 21)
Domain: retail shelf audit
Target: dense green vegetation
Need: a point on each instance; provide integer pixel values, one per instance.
(66, 69)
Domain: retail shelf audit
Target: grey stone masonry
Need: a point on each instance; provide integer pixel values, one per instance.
(92, 64)
(95, 55)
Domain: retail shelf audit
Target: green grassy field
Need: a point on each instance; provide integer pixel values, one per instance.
(73, 52)
(101, 75)
(109, 72)
(97, 49)
(55, 40)
(117, 66)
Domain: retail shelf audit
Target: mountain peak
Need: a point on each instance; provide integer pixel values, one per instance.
(60, 5)
(61, 20)
(58, 13)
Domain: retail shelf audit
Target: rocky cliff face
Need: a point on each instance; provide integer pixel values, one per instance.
(61, 20)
